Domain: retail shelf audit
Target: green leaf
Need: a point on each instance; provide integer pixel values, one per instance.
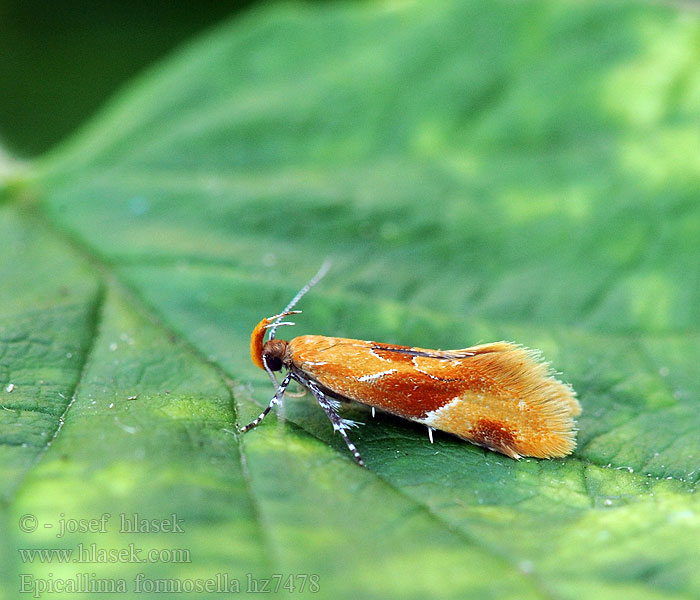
(477, 171)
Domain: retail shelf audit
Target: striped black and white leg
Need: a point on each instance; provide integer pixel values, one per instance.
(340, 425)
(275, 400)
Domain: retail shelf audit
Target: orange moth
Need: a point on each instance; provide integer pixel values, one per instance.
(500, 395)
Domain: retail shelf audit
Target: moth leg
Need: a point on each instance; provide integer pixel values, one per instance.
(430, 433)
(340, 425)
(275, 400)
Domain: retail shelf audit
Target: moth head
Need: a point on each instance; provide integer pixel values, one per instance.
(270, 357)
(272, 350)
(273, 354)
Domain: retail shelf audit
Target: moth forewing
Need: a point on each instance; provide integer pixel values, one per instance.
(497, 395)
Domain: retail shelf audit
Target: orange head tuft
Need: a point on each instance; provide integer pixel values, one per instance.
(256, 342)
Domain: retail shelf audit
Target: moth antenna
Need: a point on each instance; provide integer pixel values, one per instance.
(281, 322)
(300, 294)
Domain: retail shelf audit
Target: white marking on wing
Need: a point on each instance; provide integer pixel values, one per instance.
(373, 353)
(434, 415)
(415, 366)
(375, 376)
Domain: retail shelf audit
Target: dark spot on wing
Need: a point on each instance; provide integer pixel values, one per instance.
(494, 435)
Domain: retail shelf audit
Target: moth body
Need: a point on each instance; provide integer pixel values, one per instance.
(498, 395)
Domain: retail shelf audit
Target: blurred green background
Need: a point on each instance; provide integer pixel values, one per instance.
(59, 61)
